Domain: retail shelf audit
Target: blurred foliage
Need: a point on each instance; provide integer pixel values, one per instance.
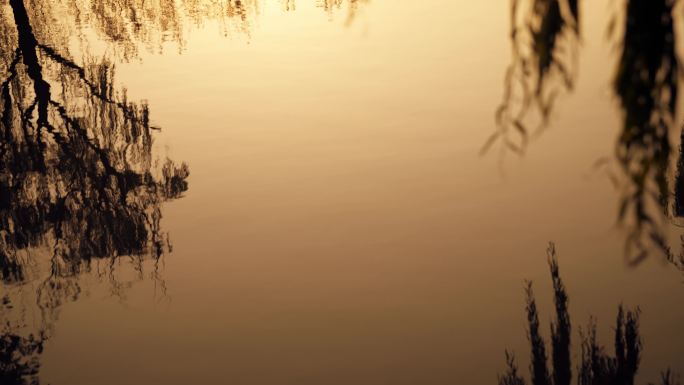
(544, 43)
(545, 37)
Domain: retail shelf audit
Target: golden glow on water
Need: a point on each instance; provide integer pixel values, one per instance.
(340, 226)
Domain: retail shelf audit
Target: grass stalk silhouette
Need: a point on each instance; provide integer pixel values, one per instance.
(596, 366)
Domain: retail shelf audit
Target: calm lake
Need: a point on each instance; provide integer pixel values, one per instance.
(339, 224)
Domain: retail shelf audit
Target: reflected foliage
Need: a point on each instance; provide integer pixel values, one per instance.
(131, 25)
(77, 175)
(646, 84)
(18, 364)
(596, 366)
(544, 40)
(353, 7)
(76, 162)
(79, 184)
(77, 170)
(19, 355)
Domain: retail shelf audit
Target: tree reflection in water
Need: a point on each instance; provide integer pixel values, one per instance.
(19, 355)
(544, 43)
(545, 37)
(352, 7)
(78, 177)
(77, 166)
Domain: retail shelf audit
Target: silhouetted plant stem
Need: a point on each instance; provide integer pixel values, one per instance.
(596, 367)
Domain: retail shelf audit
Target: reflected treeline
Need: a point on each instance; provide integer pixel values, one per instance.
(19, 355)
(76, 165)
(80, 187)
(127, 26)
(76, 168)
(544, 38)
(77, 175)
(646, 84)
(596, 366)
(352, 7)
(19, 359)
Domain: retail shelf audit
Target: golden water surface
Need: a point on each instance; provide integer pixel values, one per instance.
(341, 226)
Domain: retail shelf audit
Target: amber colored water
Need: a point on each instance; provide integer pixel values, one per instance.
(340, 225)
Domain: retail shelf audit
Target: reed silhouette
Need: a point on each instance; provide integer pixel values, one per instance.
(596, 366)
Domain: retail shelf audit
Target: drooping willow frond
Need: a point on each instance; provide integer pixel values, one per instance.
(544, 38)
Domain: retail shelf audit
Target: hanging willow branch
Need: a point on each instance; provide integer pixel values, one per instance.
(544, 48)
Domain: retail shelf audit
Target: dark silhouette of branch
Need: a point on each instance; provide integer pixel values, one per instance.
(646, 85)
(544, 59)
